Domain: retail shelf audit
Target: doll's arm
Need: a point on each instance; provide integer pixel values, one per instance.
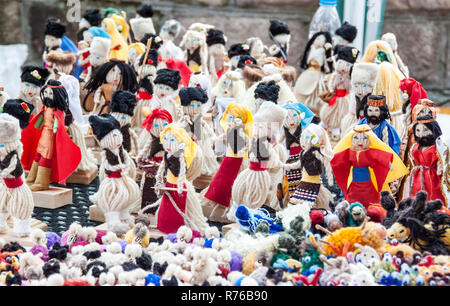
(12, 165)
(182, 175)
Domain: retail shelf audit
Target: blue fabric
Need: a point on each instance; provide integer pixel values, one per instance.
(98, 32)
(361, 174)
(394, 139)
(252, 218)
(300, 108)
(153, 279)
(68, 45)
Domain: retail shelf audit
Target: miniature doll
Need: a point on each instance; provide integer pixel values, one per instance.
(331, 114)
(265, 92)
(345, 35)
(370, 163)
(119, 46)
(316, 63)
(122, 26)
(108, 78)
(135, 51)
(217, 53)
(33, 78)
(196, 54)
(143, 23)
(118, 194)
(411, 93)
(169, 32)
(149, 67)
(193, 100)
(179, 204)
(183, 69)
(316, 154)
(93, 32)
(236, 123)
(151, 156)
(392, 41)
(91, 18)
(245, 60)
(281, 36)
(144, 99)
(16, 199)
(235, 52)
(20, 110)
(379, 51)
(363, 81)
(166, 86)
(257, 48)
(98, 55)
(49, 154)
(54, 32)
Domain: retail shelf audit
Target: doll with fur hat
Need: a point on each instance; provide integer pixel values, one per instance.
(118, 194)
(33, 78)
(280, 34)
(316, 63)
(391, 39)
(339, 83)
(49, 153)
(166, 86)
(143, 23)
(20, 110)
(217, 54)
(345, 35)
(16, 199)
(54, 32)
(196, 54)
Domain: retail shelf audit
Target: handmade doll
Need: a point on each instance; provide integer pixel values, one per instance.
(315, 155)
(20, 110)
(316, 63)
(119, 46)
(280, 34)
(429, 158)
(151, 156)
(169, 32)
(369, 162)
(49, 154)
(245, 60)
(196, 54)
(118, 194)
(93, 32)
(16, 199)
(83, 58)
(166, 90)
(54, 32)
(257, 48)
(135, 51)
(183, 69)
(91, 18)
(98, 55)
(391, 39)
(331, 114)
(236, 123)
(179, 204)
(363, 81)
(235, 52)
(411, 93)
(379, 51)
(33, 78)
(265, 92)
(108, 78)
(144, 99)
(345, 35)
(217, 53)
(298, 117)
(149, 67)
(122, 26)
(143, 23)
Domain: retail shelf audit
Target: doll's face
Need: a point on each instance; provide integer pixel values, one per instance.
(361, 90)
(170, 143)
(48, 93)
(292, 119)
(232, 121)
(29, 91)
(234, 60)
(158, 126)
(193, 42)
(113, 140)
(421, 130)
(283, 39)
(319, 42)
(96, 59)
(343, 66)
(163, 91)
(132, 55)
(52, 41)
(373, 111)
(123, 119)
(309, 139)
(114, 76)
(360, 141)
(88, 36)
(194, 109)
(227, 88)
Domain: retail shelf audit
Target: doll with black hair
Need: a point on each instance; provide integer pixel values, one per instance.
(216, 41)
(245, 60)
(235, 52)
(339, 83)
(91, 18)
(144, 99)
(54, 32)
(33, 78)
(49, 153)
(166, 86)
(108, 78)
(316, 63)
(280, 34)
(265, 92)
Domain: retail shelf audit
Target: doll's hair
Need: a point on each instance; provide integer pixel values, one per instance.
(156, 43)
(146, 84)
(388, 84)
(152, 58)
(430, 123)
(93, 17)
(328, 53)
(129, 81)
(373, 48)
(145, 10)
(384, 112)
(60, 98)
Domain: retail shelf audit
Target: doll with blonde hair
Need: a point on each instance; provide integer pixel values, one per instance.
(119, 46)
(196, 54)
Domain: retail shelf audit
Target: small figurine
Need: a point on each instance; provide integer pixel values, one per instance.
(391, 39)
(265, 92)
(149, 67)
(143, 23)
(280, 34)
(257, 48)
(196, 54)
(217, 53)
(235, 52)
(33, 78)
(91, 18)
(166, 86)
(119, 46)
(98, 55)
(54, 32)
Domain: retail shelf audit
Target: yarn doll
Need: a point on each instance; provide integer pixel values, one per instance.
(391, 39)
(169, 32)
(48, 152)
(143, 23)
(166, 86)
(339, 83)
(98, 55)
(316, 63)
(236, 123)
(196, 54)
(256, 48)
(315, 155)
(193, 100)
(33, 78)
(235, 52)
(345, 35)
(379, 51)
(280, 34)
(216, 41)
(370, 162)
(108, 78)
(122, 26)
(144, 99)
(91, 18)
(265, 92)
(298, 117)
(151, 156)
(16, 199)
(54, 32)
(118, 194)
(119, 46)
(149, 67)
(93, 32)
(363, 81)
(19, 110)
(411, 93)
(179, 204)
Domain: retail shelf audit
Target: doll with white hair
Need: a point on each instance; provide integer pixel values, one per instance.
(143, 23)
(169, 32)
(257, 48)
(98, 55)
(118, 194)
(16, 199)
(217, 53)
(196, 53)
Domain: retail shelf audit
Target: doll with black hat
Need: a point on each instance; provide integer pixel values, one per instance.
(265, 92)
(54, 32)
(245, 60)
(216, 41)
(91, 18)
(166, 86)
(235, 52)
(196, 53)
(149, 67)
(33, 78)
(20, 110)
(345, 35)
(142, 24)
(280, 34)
(118, 194)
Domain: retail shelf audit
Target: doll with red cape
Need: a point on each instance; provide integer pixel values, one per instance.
(48, 152)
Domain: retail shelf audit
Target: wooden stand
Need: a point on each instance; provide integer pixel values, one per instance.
(154, 233)
(82, 177)
(53, 198)
(23, 241)
(229, 227)
(96, 214)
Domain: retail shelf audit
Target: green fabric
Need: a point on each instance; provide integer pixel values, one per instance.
(39, 123)
(55, 125)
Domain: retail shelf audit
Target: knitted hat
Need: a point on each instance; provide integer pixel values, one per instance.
(156, 41)
(214, 37)
(180, 66)
(61, 58)
(365, 73)
(20, 110)
(93, 17)
(34, 75)
(192, 94)
(100, 46)
(168, 77)
(267, 91)
(238, 49)
(157, 113)
(145, 10)
(346, 53)
(412, 91)
(54, 28)
(9, 129)
(246, 60)
(347, 32)
(103, 124)
(278, 27)
(123, 102)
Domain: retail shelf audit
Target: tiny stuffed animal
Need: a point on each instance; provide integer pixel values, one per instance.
(351, 215)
